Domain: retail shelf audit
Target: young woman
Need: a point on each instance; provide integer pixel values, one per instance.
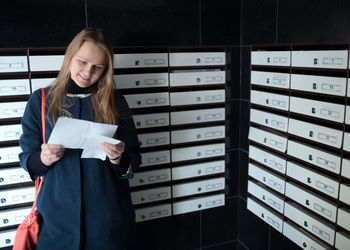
(84, 203)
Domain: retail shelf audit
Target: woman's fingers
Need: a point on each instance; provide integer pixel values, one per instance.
(113, 151)
(50, 153)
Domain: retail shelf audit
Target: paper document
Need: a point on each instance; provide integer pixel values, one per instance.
(75, 133)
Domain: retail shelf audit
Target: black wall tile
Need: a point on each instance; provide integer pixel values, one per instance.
(233, 81)
(220, 224)
(232, 171)
(244, 124)
(243, 173)
(279, 241)
(245, 69)
(232, 124)
(40, 23)
(171, 233)
(225, 246)
(252, 231)
(146, 23)
(313, 21)
(221, 22)
(259, 21)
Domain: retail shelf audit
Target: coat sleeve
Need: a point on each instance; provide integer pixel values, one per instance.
(31, 138)
(126, 132)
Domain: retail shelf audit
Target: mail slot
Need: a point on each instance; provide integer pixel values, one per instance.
(270, 100)
(141, 80)
(197, 97)
(197, 116)
(151, 120)
(150, 195)
(155, 158)
(197, 58)
(46, 63)
(270, 120)
(13, 87)
(198, 152)
(270, 79)
(268, 159)
(197, 78)
(196, 204)
(153, 212)
(13, 64)
(333, 59)
(274, 58)
(197, 134)
(268, 139)
(147, 60)
(154, 139)
(198, 187)
(150, 177)
(196, 170)
(10, 132)
(268, 215)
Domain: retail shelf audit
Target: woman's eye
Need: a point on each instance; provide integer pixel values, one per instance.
(82, 62)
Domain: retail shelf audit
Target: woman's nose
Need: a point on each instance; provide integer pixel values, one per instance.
(88, 70)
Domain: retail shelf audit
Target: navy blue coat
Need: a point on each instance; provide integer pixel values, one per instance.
(85, 203)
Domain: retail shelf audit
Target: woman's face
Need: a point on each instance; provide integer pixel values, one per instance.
(88, 64)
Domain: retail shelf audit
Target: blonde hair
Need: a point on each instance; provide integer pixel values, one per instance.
(102, 97)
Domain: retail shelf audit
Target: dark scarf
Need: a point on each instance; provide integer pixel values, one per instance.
(74, 89)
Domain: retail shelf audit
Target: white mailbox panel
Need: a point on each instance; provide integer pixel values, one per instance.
(185, 78)
(7, 237)
(270, 100)
(268, 159)
(312, 201)
(196, 204)
(301, 238)
(309, 222)
(345, 169)
(324, 110)
(342, 240)
(141, 80)
(313, 179)
(268, 139)
(197, 116)
(344, 218)
(197, 134)
(347, 115)
(13, 64)
(197, 170)
(197, 59)
(155, 158)
(13, 176)
(344, 194)
(274, 201)
(313, 132)
(150, 195)
(197, 97)
(154, 139)
(197, 152)
(151, 120)
(269, 120)
(334, 59)
(9, 154)
(346, 145)
(268, 178)
(274, 58)
(12, 87)
(313, 155)
(319, 84)
(16, 196)
(140, 60)
(198, 187)
(269, 216)
(153, 212)
(12, 109)
(270, 79)
(10, 132)
(14, 216)
(46, 63)
(150, 177)
(38, 83)
(147, 100)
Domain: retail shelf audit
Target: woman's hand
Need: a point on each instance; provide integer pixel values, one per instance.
(114, 151)
(50, 153)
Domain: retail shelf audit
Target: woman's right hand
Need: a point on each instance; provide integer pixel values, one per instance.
(50, 153)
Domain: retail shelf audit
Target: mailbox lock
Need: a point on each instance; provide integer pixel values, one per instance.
(199, 205)
(262, 215)
(199, 171)
(198, 79)
(2, 200)
(7, 241)
(5, 221)
(311, 134)
(308, 179)
(198, 118)
(1, 179)
(198, 60)
(138, 123)
(137, 62)
(139, 102)
(305, 224)
(199, 189)
(307, 202)
(141, 180)
(137, 83)
(310, 157)
(263, 197)
(315, 61)
(304, 244)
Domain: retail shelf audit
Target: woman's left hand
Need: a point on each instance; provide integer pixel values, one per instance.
(113, 151)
